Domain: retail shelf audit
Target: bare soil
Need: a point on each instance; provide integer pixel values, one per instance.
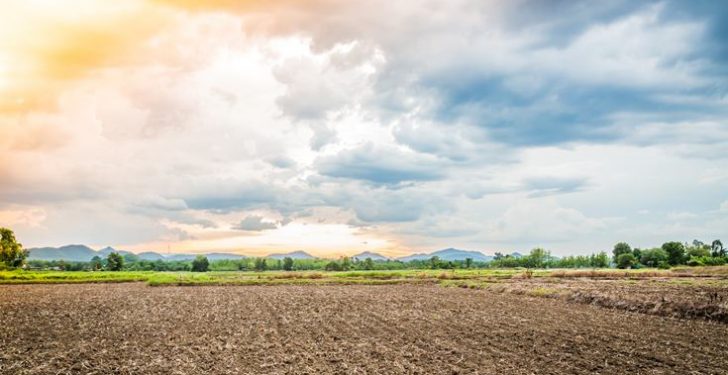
(352, 329)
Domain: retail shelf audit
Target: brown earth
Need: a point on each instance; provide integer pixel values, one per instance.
(394, 329)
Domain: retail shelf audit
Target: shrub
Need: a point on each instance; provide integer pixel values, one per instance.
(626, 260)
(200, 264)
(663, 265)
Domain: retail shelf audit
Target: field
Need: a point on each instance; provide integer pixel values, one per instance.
(426, 322)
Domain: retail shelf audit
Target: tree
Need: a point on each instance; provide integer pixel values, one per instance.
(675, 252)
(333, 266)
(468, 262)
(288, 264)
(653, 257)
(717, 249)
(345, 264)
(697, 252)
(600, 260)
(368, 264)
(260, 264)
(538, 258)
(114, 262)
(11, 252)
(619, 249)
(626, 260)
(434, 262)
(200, 264)
(96, 263)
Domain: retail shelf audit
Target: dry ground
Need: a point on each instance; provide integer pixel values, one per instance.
(348, 329)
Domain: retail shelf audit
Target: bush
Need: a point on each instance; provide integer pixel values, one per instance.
(663, 265)
(200, 264)
(653, 257)
(695, 262)
(626, 260)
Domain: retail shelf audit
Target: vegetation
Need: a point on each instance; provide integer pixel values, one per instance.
(200, 264)
(12, 254)
(114, 262)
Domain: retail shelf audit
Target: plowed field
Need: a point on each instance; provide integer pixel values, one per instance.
(348, 329)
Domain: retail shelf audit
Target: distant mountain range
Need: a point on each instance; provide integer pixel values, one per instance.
(369, 254)
(82, 253)
(449, 254)
(300, 254)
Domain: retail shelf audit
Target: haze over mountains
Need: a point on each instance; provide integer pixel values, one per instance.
(83, 253)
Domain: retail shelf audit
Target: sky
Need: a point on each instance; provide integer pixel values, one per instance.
(337, 127)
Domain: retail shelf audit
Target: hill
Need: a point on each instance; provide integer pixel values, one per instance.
(449, 254)
(369, 254)
(300, 254)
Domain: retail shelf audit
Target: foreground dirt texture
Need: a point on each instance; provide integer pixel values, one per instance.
(689, 298)
(398, 329)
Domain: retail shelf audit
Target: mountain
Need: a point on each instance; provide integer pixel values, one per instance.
(516, 254)
(369, 254)
(150, 255)
(72, 253)
(82, 253)
(220, 256)
(449, 254)
(103, 253)
(300, 254)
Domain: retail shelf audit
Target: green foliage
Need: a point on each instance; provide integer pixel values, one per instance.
(663, 265)
(675, 252)
(200, 264)
(261, 264)
(96, 263)
(288, 264)
(114, 262)
(11, 252)
(333, 266)
(626, 260)
(717, 249)
(653, 257)
(468, 262)
(619, 249)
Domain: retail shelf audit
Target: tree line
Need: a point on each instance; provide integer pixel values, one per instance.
(698, 253)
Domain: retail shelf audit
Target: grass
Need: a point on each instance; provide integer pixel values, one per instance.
(474, 278)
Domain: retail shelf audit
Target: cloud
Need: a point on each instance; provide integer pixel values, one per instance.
(550, 185)
(380, 165)
(254, 224)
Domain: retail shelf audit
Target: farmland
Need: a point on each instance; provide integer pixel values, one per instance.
(463, 321)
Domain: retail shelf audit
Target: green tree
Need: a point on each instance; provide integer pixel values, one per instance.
(600, 260)
(653, 257)
(96, 263)
(200, 264)
(368, 264)
(11, 252)
(626, 260)
(675, 252)
(114, 262)
(333, 266)
(619, 249)
(345, 264)
(468, 262)
(288, 264)
(435, 262)
(697, 252)
(260, 264)
(717, 249)
(538, 258)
